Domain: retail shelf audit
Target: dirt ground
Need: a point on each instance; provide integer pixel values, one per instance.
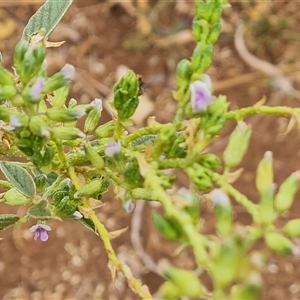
(103, 37)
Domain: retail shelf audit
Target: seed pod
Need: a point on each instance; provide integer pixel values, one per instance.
(214, 33)
(266, 206)
(237, 145)
(60, 97)
(67, 133)
(96, 160)
(264, 174)
(40, 182)
(183, 73)
(292, 228)
(19, 54)
(286, 194)
(186, 282)
(59, 114)
(105, 130)
(92, 120)
(89, 189)
(279, 243)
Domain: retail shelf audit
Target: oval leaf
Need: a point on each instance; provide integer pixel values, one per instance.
(19, 178)
(8, 220)
(48, 16)
(13, 197)
(40, 211)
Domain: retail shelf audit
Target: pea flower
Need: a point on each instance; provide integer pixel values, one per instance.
(201, 95)
(37, 88)
(40, 231)
(112, 149)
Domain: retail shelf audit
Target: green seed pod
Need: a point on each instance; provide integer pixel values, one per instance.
(197, 29)
(59, 114)
(168, 291)
(19, 54)
(105, 130)
(96, 160)
(264, 173)
(214, 33)
(92, 120)
(39, 127)
(183, 73)
(90, 189)
(266, 206)
(48, 155)
(201, 58)
(292, 228)
(166, 228)
(216, 12)
(67, 133)
(13, 197)
(202, 10)
(279, 243)
(55, 82)
(132, 174)
(60, 97)
(286, 194)
(237, 145)
(186, 282)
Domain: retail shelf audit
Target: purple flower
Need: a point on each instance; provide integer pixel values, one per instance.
(201, 95)
(37, 88)
(218, 197)
(128, 206)
(40, 231)
(68, 71)
(112, 149)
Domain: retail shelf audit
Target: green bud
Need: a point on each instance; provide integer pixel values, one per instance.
(266, 206)
(20, 51)
(13, 197)
(165, 139)
(193, 206)
(214, 33)
(166, 227)
(202, 57)
(105, 130)
(292, 228)
(183, 73)
(279, 243)
(40, 182)
(60, 97)
(6, 78)
(55, 82)
(48, 155)
(7, 92)
(168, 291)
(200, 176)
(285, 196)
(210, 161)
(237, 145)
(197, 29)
(216, 11)
(186, 282)
(92, 120)
(59, 114)
(250, 290)
(6, 113)
(202, 10)
(223, 211)
(264, 173)
(96, 160)
(67, 133)
(89, 189)
(66, 206)
(39, 127)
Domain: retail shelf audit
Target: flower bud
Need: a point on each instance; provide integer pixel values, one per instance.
(60, 97)
(266, 206)
(40, 182)
(279, 243)
(237, 145)
(93, 117)
(223, 211)
(214, 33)
(96, 160)
(292, 228)
(89, 189)
(285, 196)
(6, 113)
(39, 127)
(183, 73)
(264, 174)
(186, 282)
(59, 114)
(113, 148)
(216, 11)
(201, 58)
(132, 174)
(19, 54)
(67, 133)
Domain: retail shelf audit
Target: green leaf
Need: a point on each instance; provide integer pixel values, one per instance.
(13, 197)
(48, 16)
(88, 224)
(8, 220)
(19, 178)
(40, 211)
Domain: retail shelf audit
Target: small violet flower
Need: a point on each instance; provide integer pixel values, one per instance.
(37, 88)
(112, 149)
(14, 122)
(218, 197)
(128, 206)
(201, 95)
(68, 71)
(40, 231)
(98, 104)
